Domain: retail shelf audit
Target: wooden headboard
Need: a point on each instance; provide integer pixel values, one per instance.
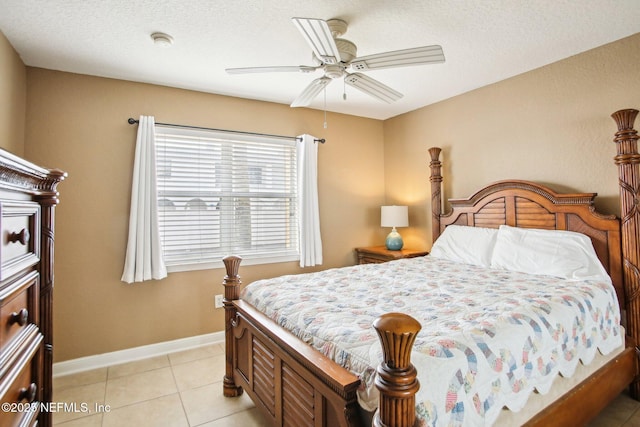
(526, 204)
(529, 205)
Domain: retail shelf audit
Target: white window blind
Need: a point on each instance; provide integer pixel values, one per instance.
(223, 193)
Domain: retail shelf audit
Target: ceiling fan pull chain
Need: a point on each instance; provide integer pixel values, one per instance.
(344, 89)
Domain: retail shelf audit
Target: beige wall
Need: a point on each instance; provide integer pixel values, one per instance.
(550, 125)
(79, 124)
(13, 96)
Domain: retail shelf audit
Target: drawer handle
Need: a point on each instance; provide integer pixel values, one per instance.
(22, 236)
(21, 317)
(28, 393)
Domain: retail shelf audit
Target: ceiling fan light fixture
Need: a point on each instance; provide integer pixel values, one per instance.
(334, 71)
(162, 39)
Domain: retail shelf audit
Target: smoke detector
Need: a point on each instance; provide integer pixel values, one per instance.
(162, 39)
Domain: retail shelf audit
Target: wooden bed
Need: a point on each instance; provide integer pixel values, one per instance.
(295, 385)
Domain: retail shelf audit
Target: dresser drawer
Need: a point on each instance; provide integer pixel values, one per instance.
(20, 237)
(371, 259)
(18, 306)
(18, 386)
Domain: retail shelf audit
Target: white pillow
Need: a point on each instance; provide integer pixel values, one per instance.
(559, 253)
(471, 245)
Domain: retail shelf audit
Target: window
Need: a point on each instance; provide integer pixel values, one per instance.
(223, 193)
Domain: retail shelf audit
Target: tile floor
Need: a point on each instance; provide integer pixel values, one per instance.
(184, 389)
(181, 389)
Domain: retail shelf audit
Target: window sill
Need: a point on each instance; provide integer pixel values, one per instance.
(219, 264)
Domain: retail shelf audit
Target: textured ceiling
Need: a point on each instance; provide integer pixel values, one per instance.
(484, 41)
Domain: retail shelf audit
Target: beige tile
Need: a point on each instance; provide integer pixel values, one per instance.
(207, 403)
(199, 372)
(248, 418)
(139, 387)
(80, 401)
(138, 366)
(618, 411)
(162, 411)
(82, 378)
(634, 421)
(88, 421)
(605, 422)
(196, 353)
(624, 403)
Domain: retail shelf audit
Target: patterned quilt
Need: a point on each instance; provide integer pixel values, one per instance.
(489, 337)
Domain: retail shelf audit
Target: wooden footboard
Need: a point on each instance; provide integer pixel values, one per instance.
(293, 384)
(287, 381)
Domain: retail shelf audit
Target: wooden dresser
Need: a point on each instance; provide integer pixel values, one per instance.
(27, 202)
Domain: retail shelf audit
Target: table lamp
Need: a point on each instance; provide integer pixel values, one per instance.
(394, 216)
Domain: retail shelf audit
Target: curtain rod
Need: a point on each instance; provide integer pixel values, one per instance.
(133, 121)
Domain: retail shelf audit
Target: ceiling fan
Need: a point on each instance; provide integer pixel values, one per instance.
(335, 56)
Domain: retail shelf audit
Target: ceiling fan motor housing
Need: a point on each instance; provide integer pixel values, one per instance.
(347, 50)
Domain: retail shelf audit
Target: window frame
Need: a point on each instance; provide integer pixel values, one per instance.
(240, 141)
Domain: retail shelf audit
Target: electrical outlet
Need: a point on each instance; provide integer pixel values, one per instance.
(218, 301)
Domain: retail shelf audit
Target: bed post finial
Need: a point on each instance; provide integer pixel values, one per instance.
(627, 160)
(396, 378)
(625, 119)
(436, 191)
(231, 284)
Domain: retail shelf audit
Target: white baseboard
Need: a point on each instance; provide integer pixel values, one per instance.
(129, 355)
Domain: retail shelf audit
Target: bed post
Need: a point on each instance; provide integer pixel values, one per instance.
(436, 191)
(627, 160)
(231, 284)
(396, 379)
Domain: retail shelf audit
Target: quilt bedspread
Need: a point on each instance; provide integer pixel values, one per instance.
(489, 337)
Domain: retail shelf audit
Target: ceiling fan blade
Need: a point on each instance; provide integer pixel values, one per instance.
(400, 58)
(318, 35)
(372, 87)
(276, 69)
(311, 92)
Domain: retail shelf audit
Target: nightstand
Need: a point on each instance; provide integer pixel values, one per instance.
(377, 254)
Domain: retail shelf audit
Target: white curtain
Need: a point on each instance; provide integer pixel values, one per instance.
(144, 251)
(308, 209)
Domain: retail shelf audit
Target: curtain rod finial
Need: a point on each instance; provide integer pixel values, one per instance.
(132, 121)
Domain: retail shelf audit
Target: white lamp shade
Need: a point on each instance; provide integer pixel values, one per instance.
(394, 216)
